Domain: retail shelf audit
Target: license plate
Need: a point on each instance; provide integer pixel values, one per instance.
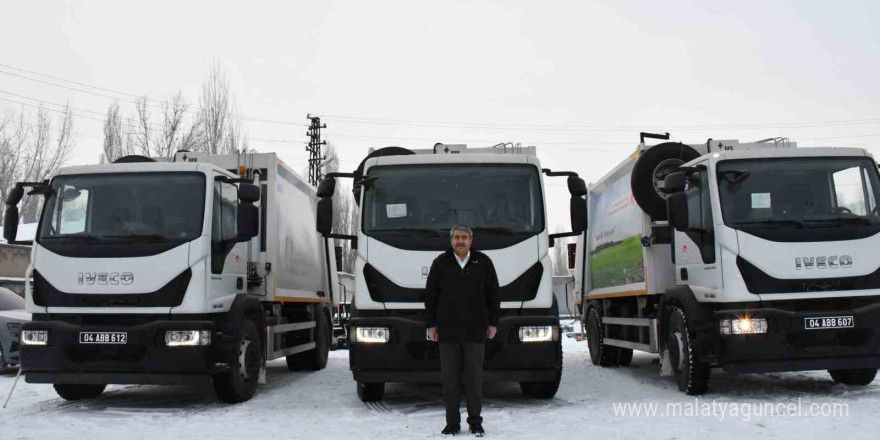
(826, 322)
(103, 337)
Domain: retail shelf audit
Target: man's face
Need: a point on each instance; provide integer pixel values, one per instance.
(461, 242)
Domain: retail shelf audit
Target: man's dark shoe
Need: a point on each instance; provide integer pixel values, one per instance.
(477, 429)
(451, 430)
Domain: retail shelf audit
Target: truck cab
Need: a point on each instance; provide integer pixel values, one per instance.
(172, 271)
(750, 257)
(409, 201)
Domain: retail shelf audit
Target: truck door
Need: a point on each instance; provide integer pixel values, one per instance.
(228, 264)
(696, 251)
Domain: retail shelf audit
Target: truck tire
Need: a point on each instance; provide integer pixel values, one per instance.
(69, 391)
(544, 390)
(856, 376)
(240, 384)
(314, 359)
(651, 168)
(626, 356)
(600, 354)
(3, 364)
(691, 375)
(370, 391)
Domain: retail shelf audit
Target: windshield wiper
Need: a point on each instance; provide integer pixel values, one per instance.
(79, 238)
(773, 222)
(845, 220)
(139, 237)
(423, 231)
(496, 230)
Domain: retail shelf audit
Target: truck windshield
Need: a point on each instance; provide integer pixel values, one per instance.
(414, 206)
(793, 197)
(148, 210)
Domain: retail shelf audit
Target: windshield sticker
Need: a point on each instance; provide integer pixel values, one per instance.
(396, 211)
(761, 201)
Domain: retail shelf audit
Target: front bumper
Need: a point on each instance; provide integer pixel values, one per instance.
(410, 357)
(143, 359)
(789, 346)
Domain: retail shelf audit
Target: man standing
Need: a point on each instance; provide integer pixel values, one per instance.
(462, 307)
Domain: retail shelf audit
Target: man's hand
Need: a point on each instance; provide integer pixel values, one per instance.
(432, 333)
(491, 331)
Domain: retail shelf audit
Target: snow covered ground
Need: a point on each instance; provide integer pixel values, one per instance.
(324, 405)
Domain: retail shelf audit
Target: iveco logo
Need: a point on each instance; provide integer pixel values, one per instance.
(104, 278)
(829, 262)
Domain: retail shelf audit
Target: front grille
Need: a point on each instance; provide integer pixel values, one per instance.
(757, 281)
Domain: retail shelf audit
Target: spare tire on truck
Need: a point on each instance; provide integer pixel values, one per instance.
(651, 169)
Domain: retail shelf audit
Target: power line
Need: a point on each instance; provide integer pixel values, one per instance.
(152, 128)
(157, 103)
(597, 128)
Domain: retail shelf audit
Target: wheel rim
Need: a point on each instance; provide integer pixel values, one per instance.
(676, 357)
(662, 170)
(246, 359)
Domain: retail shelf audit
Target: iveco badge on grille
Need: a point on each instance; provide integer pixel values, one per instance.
(823, 262)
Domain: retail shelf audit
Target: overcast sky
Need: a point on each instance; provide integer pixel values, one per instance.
(577, 79)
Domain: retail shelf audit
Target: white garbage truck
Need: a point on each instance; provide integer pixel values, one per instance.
(750, 257)
(409, 200)
(195, 268)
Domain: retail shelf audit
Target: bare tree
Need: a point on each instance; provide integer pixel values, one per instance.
(173, 132)
(219, 124)
(113, 135)
(33, 150)
(142, 127)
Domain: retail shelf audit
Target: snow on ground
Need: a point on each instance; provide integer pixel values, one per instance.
(323, 404)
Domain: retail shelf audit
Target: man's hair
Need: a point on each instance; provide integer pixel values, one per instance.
(462, 228)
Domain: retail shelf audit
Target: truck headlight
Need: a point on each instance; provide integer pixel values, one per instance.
(372, 335)
(187, 338)
(34, 337)
(541, 333)
(743, 326)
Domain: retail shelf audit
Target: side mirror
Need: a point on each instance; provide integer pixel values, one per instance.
(338, 252)
(248, 221)
(677, 210)
(15, 195)
(577, 186)
(327, 187)
(572, 254)
(10, 222)
(324, 223)
(578, 207)
(675, 182)
(248, 193)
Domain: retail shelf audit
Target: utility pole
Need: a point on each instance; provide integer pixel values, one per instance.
(314, 149)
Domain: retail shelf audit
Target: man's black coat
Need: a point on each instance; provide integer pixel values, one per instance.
(462, 303)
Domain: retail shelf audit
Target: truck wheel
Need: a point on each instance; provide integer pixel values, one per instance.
(240, 383)
(370, 391)
(691, 375)
(314, 359)
(600, 354)
(69, 391)
(3, 364)
(625, 358)
(857, 376)
(649, 171)
(544, 390)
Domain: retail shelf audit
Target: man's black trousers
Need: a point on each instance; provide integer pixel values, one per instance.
(461, 363)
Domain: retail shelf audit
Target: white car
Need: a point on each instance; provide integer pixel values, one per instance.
(12, 316)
